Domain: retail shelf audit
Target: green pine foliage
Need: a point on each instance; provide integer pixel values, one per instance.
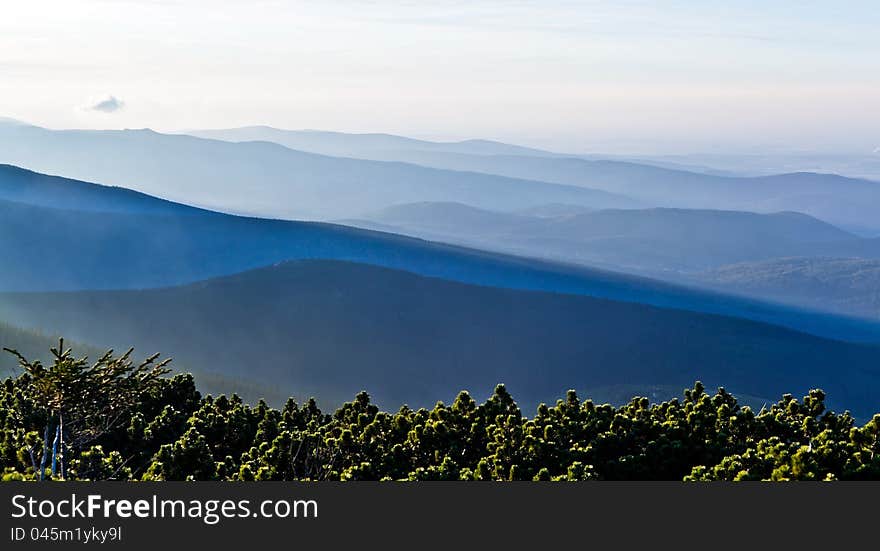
(128, 421)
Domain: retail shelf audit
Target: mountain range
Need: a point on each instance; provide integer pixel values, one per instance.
(266, 179)
(294, 174)
(785, 257)
(844, 285)
(57, 249)
(368, 145)
(848, 202)
(474, 263)
(650, 241)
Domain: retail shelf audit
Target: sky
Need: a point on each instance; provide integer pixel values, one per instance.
(620, 76)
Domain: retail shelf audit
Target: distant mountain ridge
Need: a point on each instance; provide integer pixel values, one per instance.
(729, 251)
(266, 179)
(343, 144)
(843, 201)
(652, 241)
(845, 285)
(253, 177)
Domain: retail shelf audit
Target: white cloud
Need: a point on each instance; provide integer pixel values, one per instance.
(108, 104)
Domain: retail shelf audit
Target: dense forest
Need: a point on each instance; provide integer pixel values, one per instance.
(114, 418)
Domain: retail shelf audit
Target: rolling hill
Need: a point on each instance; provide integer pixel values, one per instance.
(31, 188)
(266, 179)
(61, 234)
(858, 164)
(330, 329)
(659, 242)
(847, 202)
(370, 145)
(63, 249)
(844, 285)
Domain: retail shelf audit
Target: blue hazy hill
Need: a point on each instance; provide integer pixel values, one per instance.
(847, 202)
(267, 179)
(127, 247)
(330, 329)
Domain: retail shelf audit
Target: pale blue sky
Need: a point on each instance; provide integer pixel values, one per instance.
(621, 76)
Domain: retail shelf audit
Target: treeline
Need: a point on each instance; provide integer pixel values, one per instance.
(117, 419)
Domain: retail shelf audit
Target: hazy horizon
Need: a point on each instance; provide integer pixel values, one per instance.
(623, 77)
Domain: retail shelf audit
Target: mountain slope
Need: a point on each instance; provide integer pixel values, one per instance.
(267, 179)
(843, 201)
(848, 285)
(343, 144)
(24, 186)
(864, 164)
(653, 241)
(57, 249)
(452, 219)
(835, 199)
(332, 328)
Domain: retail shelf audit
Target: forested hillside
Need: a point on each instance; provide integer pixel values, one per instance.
(847, 285)
(163, 429)
(138, 242)
(660, 242)
(330, 329)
